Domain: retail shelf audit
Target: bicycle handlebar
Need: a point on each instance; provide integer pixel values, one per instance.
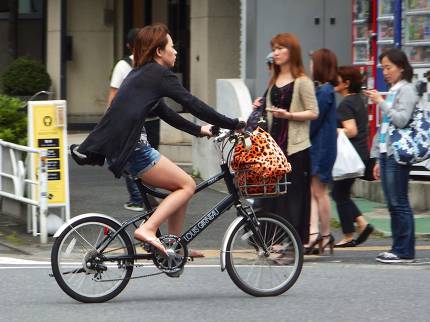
(230, 134)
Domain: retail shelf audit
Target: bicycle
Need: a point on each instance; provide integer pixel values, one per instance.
(93, 256)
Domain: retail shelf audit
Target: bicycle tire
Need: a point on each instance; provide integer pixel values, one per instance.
(245, 259)
(64, 248)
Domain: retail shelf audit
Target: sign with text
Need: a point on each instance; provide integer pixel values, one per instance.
(46, 130)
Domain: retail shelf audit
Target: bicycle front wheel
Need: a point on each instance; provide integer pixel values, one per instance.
(259, 272)
(81, 270)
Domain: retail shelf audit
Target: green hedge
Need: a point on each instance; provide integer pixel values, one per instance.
(25, 77)
(13, 120)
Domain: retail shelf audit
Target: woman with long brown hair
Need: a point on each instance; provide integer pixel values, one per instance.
(290, 104)
(118, 138)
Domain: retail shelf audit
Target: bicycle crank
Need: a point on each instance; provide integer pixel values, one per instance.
(177, 254)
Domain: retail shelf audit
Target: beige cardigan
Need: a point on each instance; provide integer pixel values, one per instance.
(304, 99)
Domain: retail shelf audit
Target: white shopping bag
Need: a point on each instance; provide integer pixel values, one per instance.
(348, 163)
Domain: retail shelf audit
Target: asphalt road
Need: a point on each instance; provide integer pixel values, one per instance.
(324, 292)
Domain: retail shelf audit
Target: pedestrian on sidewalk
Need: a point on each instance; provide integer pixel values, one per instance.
(397, 110)
(152, 123)
(353, 121)
(290, 104)
(323, 66)
(117, 137)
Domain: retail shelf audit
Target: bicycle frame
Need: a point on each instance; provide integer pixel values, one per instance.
(196, 229)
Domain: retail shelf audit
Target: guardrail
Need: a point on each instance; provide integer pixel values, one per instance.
(19, 179)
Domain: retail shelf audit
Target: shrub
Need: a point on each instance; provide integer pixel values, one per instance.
(25, 76)
(13, 120)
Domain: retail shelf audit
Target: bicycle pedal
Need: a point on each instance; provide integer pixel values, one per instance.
(175, 274)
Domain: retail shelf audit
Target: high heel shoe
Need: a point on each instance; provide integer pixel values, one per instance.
(310, 249)
(329, 243)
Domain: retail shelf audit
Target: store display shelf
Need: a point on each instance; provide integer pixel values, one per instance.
(385, 18)
(360, 42)
(359, 21)
(417, 12)
(417, 43)
(385, 42)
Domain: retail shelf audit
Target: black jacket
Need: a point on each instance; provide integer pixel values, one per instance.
(116, 135)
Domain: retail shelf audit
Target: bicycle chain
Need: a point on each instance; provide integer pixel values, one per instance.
(132, 277)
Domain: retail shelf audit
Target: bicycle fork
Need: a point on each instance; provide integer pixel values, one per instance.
(246, 214)
(254, 224)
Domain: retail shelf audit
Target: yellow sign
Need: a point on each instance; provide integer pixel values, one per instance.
(48, 133)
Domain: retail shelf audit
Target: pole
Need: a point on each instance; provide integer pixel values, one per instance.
(43, 188)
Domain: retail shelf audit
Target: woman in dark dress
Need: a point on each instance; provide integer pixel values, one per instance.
(290, 104)
(323, 149)
(353, 120)
(118, 137)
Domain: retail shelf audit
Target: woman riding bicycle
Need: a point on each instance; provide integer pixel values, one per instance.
(117, 137)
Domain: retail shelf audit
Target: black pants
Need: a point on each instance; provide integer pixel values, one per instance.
(295, 206)
(346, 208)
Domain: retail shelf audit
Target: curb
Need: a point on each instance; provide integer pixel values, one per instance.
(14, 248)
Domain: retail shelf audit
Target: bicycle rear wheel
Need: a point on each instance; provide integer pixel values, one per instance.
(261, 273)
(79, 267)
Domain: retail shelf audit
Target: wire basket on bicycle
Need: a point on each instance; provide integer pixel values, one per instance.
(260, 170)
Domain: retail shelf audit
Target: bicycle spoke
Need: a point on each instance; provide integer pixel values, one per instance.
(83, 239)
(97, 240)
(258, 272)
(78, 248)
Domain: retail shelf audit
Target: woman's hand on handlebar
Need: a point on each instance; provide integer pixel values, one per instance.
(206, 130)
(241, 125)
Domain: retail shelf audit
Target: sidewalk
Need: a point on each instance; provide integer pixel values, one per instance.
(377, 214)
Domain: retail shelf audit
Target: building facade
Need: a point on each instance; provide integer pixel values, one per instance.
(80, 40)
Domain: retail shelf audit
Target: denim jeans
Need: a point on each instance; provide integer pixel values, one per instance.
(133, 191)
(395, 179)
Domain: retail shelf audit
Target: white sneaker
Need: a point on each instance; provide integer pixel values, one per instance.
(133, 206)
(388, 257)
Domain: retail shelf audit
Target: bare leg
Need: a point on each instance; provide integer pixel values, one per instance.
(314, 222)
(361, 223)
(176, 222)
(320, 193)
(167, 175)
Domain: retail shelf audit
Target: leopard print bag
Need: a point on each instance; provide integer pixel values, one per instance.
(261, 166)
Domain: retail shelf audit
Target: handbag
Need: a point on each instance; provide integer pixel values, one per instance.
(262, 164)
(256, 119)
(348, 163)
(259, 117)
(411, 144)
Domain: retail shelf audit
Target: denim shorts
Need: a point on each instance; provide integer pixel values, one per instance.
(142, 159)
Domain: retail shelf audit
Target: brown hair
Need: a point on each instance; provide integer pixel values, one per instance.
(148, 40)
(324, 66)
(353, 75)
(291, 42)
